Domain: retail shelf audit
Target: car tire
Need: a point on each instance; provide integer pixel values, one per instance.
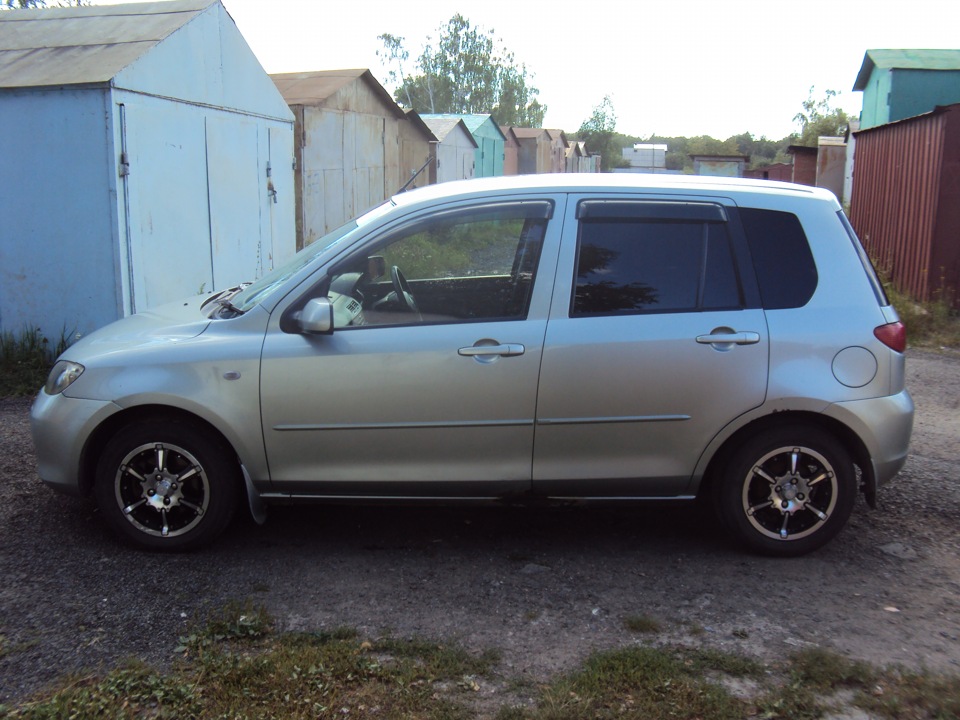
(787, 491)
(165, 485)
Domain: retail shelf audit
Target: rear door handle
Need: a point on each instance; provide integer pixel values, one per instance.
(732, 338)
(505, 350)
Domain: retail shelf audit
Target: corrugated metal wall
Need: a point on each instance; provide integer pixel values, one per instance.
(906, 186)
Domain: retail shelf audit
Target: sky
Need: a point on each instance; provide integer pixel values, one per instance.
(670, 67)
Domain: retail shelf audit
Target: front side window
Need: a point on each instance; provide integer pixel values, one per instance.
(658, 257)
(460, 266)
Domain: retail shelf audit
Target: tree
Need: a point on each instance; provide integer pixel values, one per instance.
(819, 118)
(25, 4)
(466, 71)
(394, 53)
(598, 131)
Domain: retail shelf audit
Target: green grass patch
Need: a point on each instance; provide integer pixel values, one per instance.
(25, 361)
(642, 624)
(934, 324)
(634, 683)
(817, 678)
(238, 666)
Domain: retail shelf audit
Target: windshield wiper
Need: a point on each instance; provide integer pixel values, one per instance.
(228, 307)
(225, 305)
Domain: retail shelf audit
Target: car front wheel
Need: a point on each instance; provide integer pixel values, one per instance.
(788, 490)
(167, 486)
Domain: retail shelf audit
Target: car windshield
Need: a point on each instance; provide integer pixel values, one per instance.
(260, 290)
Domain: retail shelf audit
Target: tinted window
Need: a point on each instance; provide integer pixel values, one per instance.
(628, 265)
(476, 264)
(786, 273)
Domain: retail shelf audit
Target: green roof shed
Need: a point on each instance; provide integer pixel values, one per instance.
(898, 84)
(491, 143)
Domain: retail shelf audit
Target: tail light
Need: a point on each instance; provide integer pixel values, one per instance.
(893, 335)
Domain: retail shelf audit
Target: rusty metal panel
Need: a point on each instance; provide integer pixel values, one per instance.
(831, 162)
(349, 162)
(905, 193)
(391, 158)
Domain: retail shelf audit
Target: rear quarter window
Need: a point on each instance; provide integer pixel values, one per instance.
(786, 272)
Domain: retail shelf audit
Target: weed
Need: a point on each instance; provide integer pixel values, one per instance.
(26, 359)
(826, 670)
(439, 660)
(244, 669)
(704, 660)
(642, 624)
(235, 621)
(933, 324)
(637, 683)
(900, 694)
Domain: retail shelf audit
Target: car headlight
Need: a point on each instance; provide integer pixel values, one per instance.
(62, 376)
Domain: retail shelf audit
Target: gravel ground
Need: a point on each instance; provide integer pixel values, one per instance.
(545, 586)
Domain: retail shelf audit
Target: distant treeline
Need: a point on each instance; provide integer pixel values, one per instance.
(679, 149)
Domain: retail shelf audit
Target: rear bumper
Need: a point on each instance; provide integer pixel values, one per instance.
(884, 425)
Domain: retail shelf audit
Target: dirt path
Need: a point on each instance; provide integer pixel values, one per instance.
(544, 586)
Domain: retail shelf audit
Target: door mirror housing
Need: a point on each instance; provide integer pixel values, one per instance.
(376, 267)
(316, 317)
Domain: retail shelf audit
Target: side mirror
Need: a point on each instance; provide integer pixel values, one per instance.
(376, 267)
(316, 317)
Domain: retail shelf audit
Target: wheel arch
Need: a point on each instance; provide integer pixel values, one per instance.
(98, 439)
(847, 437)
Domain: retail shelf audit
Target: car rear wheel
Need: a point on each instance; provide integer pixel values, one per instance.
(788, 490)
(166, 486)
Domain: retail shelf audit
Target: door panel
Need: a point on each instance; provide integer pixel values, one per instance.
(399, 402)
(391, 406)
(627, 404)
(650, 349)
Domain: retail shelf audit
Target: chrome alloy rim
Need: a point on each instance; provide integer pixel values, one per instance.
(162, 489)
(789, 493)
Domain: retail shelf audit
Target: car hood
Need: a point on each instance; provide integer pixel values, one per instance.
(167, 323)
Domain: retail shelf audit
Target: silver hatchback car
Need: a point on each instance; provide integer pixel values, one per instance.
(609, 338)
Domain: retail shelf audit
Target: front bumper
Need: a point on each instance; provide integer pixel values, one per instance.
(61, 426)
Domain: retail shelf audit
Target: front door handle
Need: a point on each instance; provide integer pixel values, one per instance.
(729, 338)
(504, 350)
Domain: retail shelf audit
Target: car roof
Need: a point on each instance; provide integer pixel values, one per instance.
(604, 182)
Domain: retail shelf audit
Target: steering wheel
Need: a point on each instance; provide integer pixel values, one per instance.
(402, 289)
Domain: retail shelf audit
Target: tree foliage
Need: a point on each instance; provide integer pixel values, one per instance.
(28, 4)
(467, 70)
(762, 151)
(598, 132)
(819, 117)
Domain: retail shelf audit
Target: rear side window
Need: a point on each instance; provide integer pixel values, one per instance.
(653, 257)
(786, 273)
